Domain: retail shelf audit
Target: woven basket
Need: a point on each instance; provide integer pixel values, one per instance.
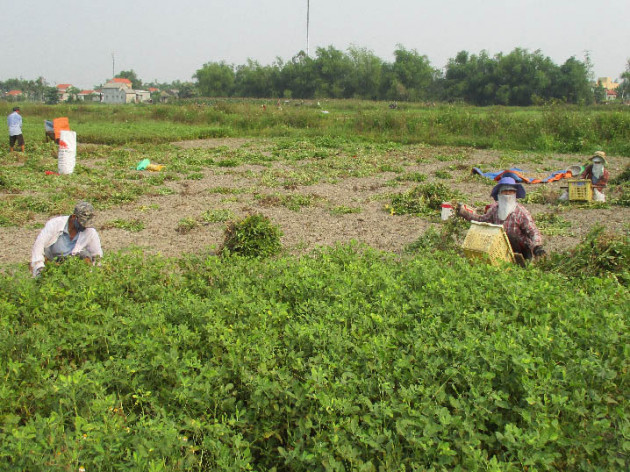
(488, 242)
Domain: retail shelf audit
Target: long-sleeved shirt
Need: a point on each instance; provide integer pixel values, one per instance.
(600, 183)
(14, 121)
(87, 242)
(519, 225)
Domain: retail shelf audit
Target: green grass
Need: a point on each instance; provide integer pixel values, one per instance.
(552, 128)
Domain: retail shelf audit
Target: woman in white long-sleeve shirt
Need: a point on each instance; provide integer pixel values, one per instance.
(65, 236)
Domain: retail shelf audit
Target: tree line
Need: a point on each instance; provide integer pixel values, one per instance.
(519, 78)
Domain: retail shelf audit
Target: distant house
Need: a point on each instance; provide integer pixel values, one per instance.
(153, 89)
(143, 96)
(607, 83)
(119, 90)
(168, 95)
(62, 90)
(89, 96)
(120, 81)
(611, 95)
(14, 94)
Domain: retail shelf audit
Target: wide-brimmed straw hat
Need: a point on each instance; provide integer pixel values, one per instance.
(509, 182)
(601, 155)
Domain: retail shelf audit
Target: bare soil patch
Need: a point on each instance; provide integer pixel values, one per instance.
(318, 224)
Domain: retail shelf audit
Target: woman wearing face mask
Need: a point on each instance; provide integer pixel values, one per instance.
(65, 236)
(517, 222)
(597, 174)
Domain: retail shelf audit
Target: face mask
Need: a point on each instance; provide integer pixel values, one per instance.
(507, 204)
(78, 226)
(598, 170)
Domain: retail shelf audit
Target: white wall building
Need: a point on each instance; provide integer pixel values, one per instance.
(119, 91)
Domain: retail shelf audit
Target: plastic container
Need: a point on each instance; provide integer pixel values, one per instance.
(155, 167)
(580, 190)
(447, 210)
(575, 171)
(485, 241)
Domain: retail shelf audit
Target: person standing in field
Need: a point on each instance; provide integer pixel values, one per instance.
(66, 236)
(14, 121)
(598, 175)
(517, 222)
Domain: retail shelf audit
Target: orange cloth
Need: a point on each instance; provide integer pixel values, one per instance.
(60, 124)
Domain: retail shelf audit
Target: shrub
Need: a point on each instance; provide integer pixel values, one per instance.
(422, 200)
(600, 254)
(253, 236)
(448, 238)
(620, 188)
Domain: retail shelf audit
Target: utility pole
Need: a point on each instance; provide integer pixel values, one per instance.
(113, 63)
(308, 11)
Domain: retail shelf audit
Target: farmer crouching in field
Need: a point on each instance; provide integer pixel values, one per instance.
(517, 222)
(65, 236)
(598, 175)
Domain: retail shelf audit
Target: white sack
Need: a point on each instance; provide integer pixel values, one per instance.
(67, 157)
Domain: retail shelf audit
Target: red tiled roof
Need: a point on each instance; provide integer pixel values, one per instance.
(611, 92)
(14, 93)
(64, 86)
(87, 92)
(118, 80)
(153, 89)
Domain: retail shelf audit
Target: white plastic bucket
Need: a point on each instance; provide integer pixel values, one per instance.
(67, 157)
(447, 210)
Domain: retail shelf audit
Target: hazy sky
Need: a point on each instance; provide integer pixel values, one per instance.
(73, 41)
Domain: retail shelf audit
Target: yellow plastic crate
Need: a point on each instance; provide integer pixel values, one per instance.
(580, 189)
(489, 242)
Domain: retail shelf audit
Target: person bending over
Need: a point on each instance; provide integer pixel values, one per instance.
(66, 236)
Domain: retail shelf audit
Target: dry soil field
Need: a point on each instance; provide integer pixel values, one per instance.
(316, 224)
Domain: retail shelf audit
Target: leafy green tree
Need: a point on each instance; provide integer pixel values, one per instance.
(473, 78)
(623, 91)
(332, 73)
(523, 77)
(599, 93)
(215, 79)
(518, 78)
(51, 96)
(184, 89)
(136, 83)
(411, 76)
(297, 78)
(39, 88)
(573, 84)
(73, 93)
(254, 80)
(367, 73)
